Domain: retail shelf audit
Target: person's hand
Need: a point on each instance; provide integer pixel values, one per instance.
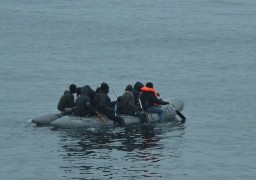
(93, 108)
(165, 103)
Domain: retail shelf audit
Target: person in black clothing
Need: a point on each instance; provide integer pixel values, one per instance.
(136, 91)
(150, 101)
(89, 92)
(83, 102)
(104, 105)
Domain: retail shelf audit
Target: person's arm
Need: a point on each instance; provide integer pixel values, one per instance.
(162, 102)
(158, 101)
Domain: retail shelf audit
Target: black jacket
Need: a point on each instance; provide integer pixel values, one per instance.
(136, 91)
(148, 99)
(103, 103)
(83, 103)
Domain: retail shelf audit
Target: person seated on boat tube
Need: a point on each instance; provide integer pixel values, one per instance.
(67, 100)
(150, 102)
(104, 105)
(83, 102)
(126, 102)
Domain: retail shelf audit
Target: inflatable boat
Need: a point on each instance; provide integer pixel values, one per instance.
(46, 119)
(70, 121)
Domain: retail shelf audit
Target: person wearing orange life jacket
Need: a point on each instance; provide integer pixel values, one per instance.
(150, 101)
(149, 89)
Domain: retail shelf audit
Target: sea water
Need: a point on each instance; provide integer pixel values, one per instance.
(202, 52)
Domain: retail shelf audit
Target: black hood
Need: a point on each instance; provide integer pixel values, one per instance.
(137, 86)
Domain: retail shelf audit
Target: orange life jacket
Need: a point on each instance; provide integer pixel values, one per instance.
(147, 89)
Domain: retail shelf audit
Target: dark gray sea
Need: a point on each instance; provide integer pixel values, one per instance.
(202, 52)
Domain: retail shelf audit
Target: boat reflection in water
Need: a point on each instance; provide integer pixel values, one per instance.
(138, 150)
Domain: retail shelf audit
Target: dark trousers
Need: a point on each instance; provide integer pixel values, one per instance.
(116, 119)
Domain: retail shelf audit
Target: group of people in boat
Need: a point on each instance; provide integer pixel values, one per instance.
(134, 101)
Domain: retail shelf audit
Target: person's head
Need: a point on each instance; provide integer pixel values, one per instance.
(149, 84)
(128, 88)
(137, 86)
(72, 88)
(104, 87)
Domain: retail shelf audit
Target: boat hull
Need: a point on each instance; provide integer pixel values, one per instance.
(71, 121)
(46, 119)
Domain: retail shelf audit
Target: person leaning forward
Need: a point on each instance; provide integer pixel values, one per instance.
(83, 102)
(103, 104)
